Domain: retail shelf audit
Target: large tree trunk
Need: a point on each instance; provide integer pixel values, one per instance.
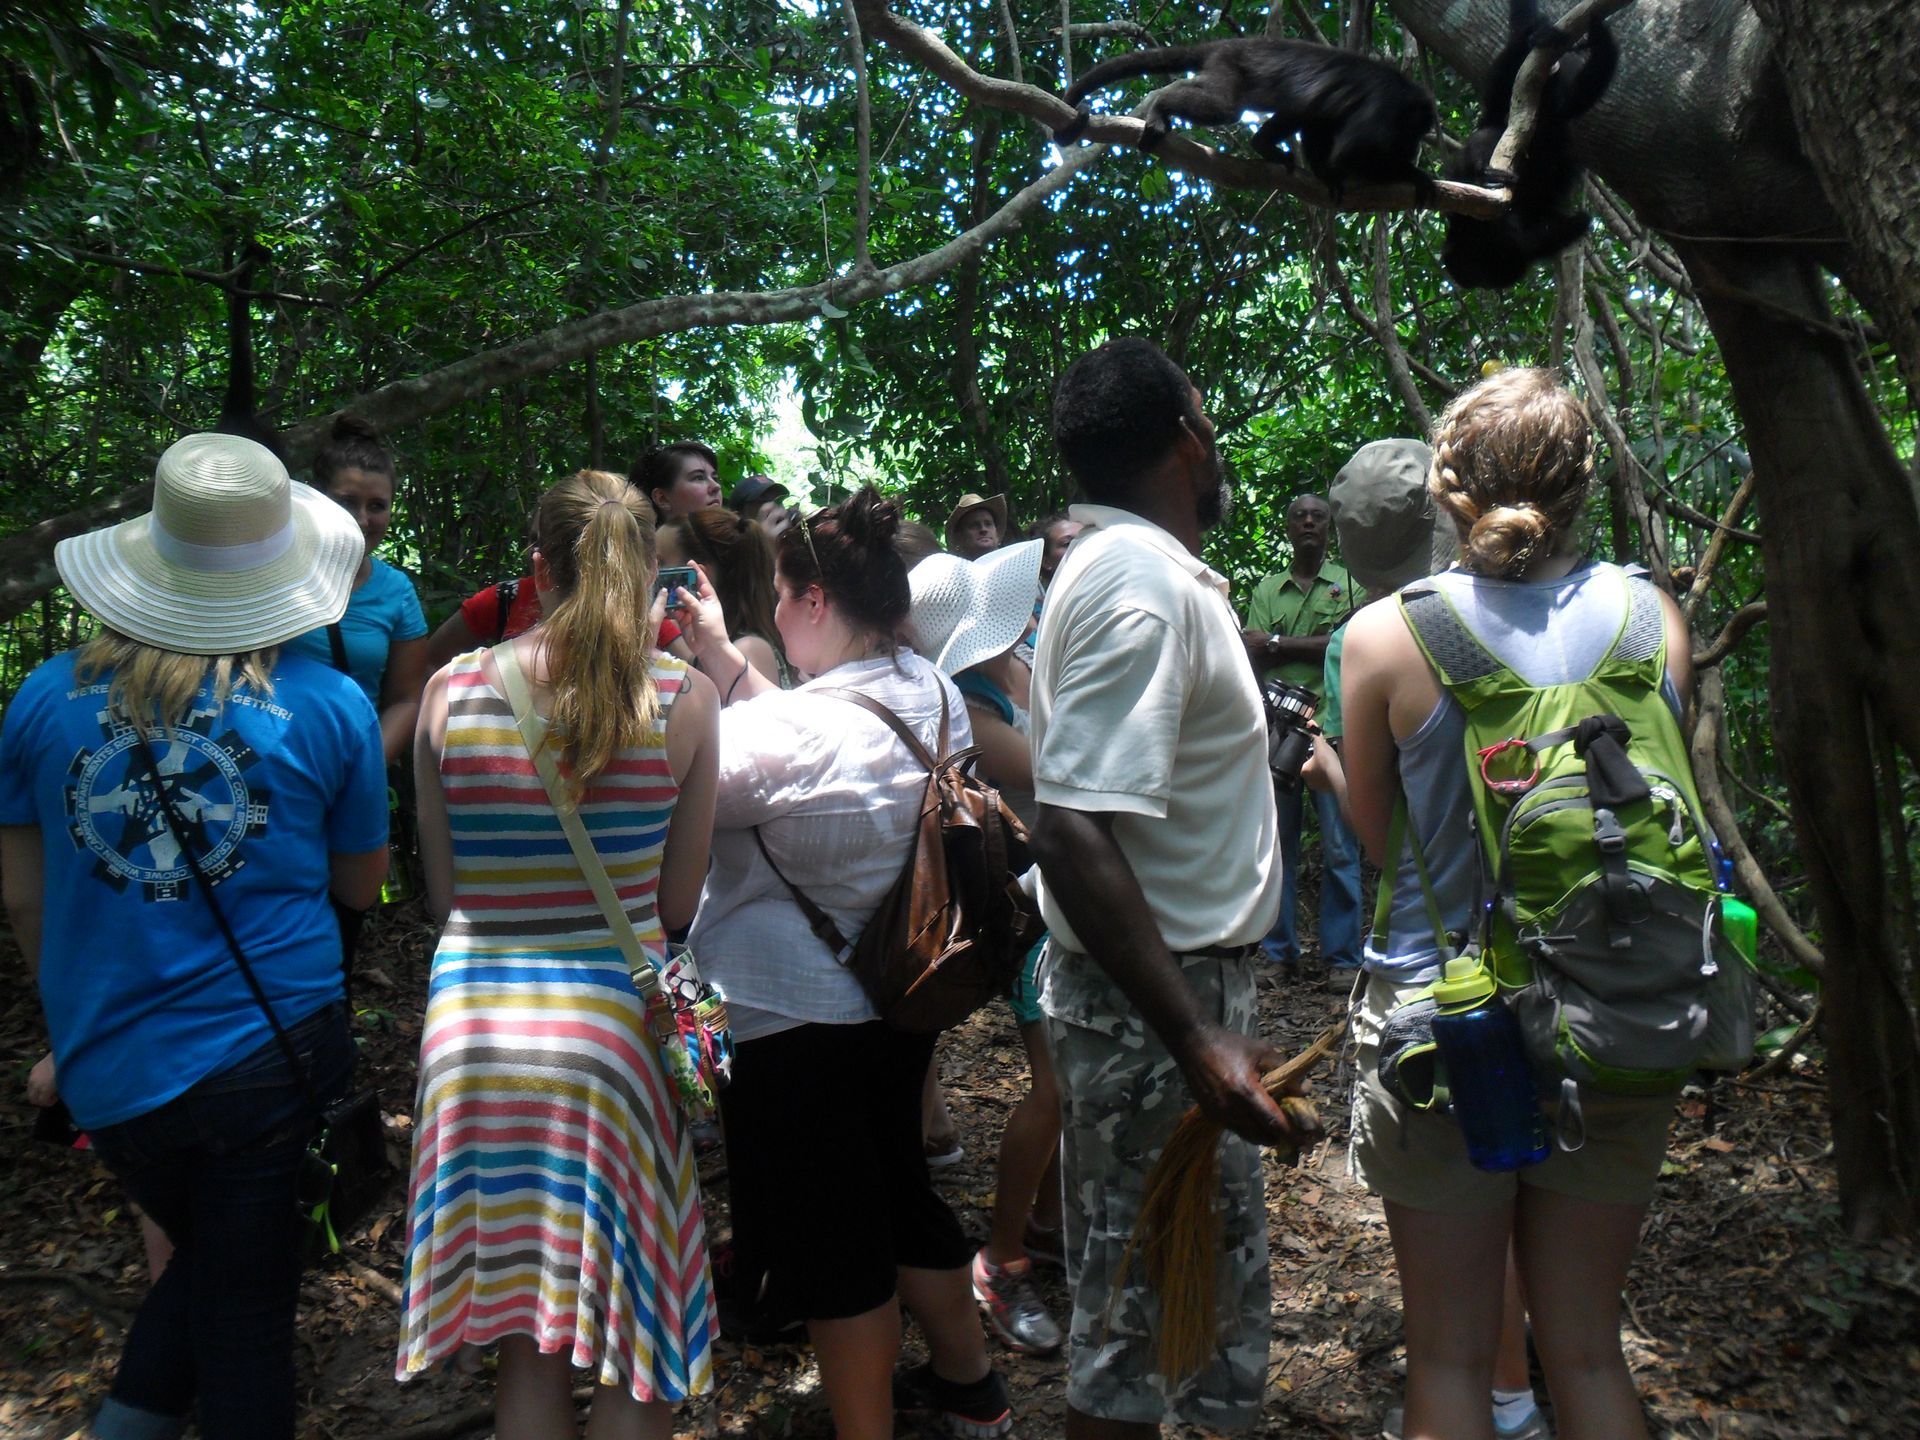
(1853, 74)
(1839, 531)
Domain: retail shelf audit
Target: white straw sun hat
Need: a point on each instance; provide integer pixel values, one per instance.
(967, 611)
(234, 555)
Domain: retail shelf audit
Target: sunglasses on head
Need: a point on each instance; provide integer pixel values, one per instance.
(805, 523)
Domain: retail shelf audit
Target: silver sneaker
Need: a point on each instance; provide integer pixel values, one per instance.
(1013, 1306)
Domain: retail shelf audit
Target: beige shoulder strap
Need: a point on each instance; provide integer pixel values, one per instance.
(533, 732)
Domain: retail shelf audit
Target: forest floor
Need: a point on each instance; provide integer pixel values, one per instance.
(1749, 1312)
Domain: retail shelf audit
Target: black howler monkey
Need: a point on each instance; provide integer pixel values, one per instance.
(1358, 118)
(1496, 253)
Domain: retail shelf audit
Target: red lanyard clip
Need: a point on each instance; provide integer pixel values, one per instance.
(1511, 784)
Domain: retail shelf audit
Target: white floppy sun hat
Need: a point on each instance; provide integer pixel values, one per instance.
(234, 555)
(967, 611)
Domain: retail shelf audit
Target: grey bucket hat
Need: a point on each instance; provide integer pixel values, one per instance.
(1391, 532)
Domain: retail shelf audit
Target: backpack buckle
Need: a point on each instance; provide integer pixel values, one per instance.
(1508, 784)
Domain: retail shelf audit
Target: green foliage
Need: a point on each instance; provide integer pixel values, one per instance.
(434, 181)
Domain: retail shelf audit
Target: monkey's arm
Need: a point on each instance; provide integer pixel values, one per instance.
(1586, 87)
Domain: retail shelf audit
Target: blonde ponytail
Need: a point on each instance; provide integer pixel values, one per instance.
(151, 686)
(595, 532)
(1512, 464)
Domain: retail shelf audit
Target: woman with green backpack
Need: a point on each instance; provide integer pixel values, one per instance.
(1525, 615)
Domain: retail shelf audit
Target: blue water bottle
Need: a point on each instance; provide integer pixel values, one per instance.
(1486, 1065)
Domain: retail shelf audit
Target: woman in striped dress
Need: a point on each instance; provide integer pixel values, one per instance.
(554, 1209)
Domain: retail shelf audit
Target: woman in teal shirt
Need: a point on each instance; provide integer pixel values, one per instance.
(382, 639)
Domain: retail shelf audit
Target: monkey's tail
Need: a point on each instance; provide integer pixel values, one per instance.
(1169, 60)
(1074, 128)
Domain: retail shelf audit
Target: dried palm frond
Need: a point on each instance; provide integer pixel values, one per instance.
(1178, 1233)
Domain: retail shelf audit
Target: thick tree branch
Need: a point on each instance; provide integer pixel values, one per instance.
(862, 139)
(1530, 85)
(1176, 152)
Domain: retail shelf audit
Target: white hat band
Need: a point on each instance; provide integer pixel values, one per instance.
(219, 559)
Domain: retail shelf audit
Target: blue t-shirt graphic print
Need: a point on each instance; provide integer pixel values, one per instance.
(114, 811)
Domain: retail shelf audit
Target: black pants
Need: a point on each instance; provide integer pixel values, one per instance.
(826, 1170)
(218, 1170)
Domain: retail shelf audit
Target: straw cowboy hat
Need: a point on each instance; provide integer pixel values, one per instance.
(967, 611)
(996, 503)
(1391, 532)
(234, 555)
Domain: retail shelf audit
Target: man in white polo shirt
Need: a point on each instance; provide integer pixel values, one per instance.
(1160, 873)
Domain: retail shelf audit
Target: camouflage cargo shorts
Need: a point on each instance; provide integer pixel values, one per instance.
(1121, 1095)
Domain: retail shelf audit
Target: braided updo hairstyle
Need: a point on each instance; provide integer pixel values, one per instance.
(1512, 463)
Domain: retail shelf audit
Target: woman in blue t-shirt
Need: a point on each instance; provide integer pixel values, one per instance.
(382, 639)
(180, 770)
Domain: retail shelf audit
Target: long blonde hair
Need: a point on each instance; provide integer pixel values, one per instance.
(1512, 463)
(151, 686)
(595, 532)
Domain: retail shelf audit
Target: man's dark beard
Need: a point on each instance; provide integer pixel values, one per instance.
(1216, 504)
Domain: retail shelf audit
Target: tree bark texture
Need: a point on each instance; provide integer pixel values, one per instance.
(1839, 530)
(1853, 76)
(1697, 95)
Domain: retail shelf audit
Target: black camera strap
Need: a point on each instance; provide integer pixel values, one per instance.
(180, 838)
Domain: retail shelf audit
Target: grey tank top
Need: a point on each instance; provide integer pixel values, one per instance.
(1549, 632)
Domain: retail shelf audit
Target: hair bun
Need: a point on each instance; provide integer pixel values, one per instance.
(1503, 540)
(869, 519)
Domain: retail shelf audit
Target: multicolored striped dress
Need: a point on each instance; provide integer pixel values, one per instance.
(553, 1188)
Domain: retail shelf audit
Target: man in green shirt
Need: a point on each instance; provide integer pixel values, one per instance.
(1288, 622)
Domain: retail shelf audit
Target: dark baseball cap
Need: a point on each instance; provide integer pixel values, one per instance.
(753, 490)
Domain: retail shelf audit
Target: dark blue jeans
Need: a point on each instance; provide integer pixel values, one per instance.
(1339, 881)
(217, 1168)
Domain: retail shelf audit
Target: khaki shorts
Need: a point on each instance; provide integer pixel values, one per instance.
(1121, 1095)
(1419, 1159)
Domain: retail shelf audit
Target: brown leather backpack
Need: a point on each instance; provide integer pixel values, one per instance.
(952, 932)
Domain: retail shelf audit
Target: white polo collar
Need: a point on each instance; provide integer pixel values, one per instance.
(1109, 517)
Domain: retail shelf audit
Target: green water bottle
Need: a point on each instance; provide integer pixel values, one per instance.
(398, 886)
(1741, 927)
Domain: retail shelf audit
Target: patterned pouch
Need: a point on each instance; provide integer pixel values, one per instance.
(688, 1018)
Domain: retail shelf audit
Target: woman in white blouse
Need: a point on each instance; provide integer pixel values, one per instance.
(830, 1196)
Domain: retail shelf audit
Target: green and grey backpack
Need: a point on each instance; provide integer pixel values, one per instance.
(1600, 887)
